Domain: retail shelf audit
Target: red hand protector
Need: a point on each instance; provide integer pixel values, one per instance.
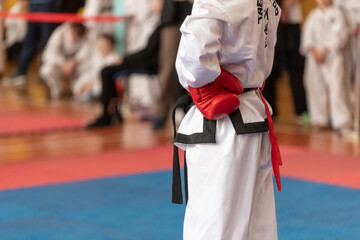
(219, 98)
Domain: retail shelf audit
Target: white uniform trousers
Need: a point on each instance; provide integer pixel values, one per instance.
(230, 186)
(51, 74)
(327, 91)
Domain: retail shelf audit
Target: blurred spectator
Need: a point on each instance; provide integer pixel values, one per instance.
(325, 35)
(287, 55)
(173, 14)
(36, 32)
(15, 31)
(143, 19)
(132, 34)
(145, 61)
(66, 55)
(88, 85)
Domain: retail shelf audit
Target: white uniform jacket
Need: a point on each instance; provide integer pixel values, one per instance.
(325, 29)
(227, 34)
(60, 48)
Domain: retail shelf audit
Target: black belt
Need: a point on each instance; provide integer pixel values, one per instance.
(185, 102)
(248, 89)
(208, 136)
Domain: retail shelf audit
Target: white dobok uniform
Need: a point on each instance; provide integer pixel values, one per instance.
(326, 83)
(93, 74)
(230, 185)
(60, 49)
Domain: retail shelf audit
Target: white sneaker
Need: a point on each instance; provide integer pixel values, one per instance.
(13, 81)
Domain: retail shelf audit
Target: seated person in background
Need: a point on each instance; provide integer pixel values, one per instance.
(88, 85)
(15, 31)
(324, 38)
(145, 61)
(66, 55)
(132, 35)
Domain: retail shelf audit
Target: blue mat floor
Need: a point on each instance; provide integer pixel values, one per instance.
(138, 207)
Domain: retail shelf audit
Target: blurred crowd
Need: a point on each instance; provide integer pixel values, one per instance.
(132, 62)
(319, 54)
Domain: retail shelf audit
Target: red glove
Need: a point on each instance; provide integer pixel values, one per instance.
(219, 98)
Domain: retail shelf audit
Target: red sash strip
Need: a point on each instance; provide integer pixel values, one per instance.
(60, 17)
(275, 151)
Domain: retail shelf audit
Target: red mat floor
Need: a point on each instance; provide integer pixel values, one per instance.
(21, 123)
(299, 163)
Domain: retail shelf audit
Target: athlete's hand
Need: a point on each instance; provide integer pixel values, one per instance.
(220, 97)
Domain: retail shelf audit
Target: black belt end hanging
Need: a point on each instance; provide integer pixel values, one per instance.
(177, 197)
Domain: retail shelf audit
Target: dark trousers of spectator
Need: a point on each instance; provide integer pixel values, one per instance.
(36, 32)
(287, 55)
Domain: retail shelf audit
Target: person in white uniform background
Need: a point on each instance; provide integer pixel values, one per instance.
(140, 22)
(324, 38)
(88, 85)
(66, 55)
(225, 54)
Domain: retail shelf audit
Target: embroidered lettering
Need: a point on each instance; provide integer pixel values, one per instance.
(276, 7)
(260, 10)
